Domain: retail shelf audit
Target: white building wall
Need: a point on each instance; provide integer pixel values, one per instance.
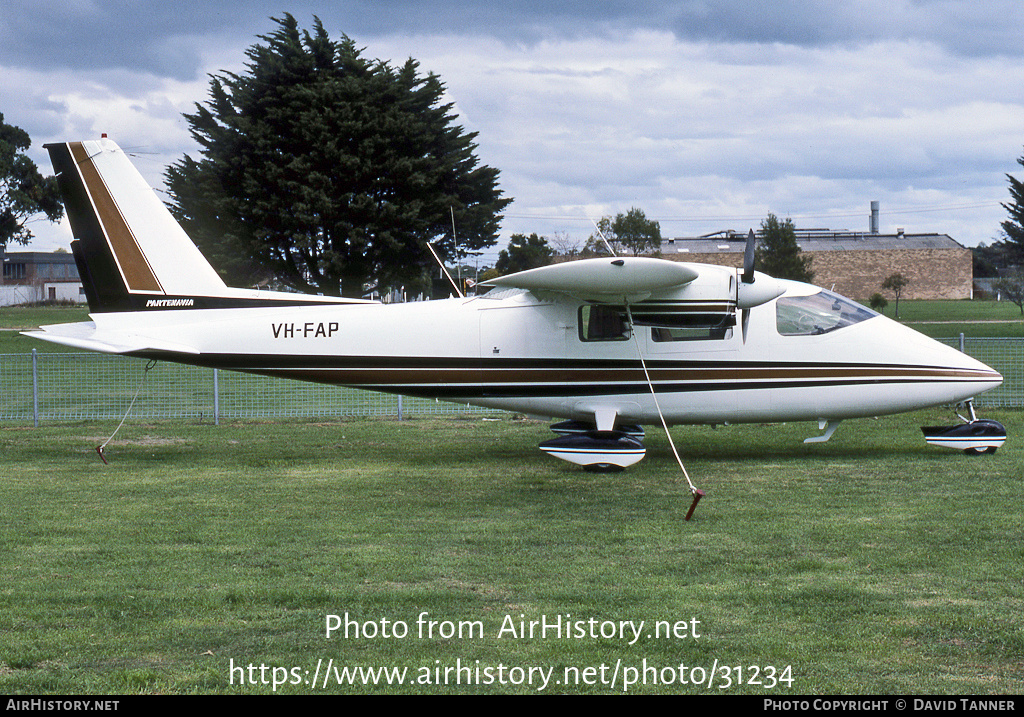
(13, 295)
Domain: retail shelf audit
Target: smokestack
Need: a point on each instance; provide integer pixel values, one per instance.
(874, 217)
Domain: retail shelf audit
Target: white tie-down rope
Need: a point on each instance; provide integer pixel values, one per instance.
(99, 448)
(640, 353)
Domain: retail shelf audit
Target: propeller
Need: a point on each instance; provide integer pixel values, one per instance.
(747, 277)
(749, 294)
(748, 259)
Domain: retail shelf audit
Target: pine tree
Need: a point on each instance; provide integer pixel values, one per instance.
(330, 171)
(778, 254)
(1013, 228)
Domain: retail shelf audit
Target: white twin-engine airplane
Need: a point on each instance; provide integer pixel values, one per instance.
(607, 343)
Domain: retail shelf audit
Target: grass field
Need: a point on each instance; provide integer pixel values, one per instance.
(870, 564)
(19, 318)
(978, 319)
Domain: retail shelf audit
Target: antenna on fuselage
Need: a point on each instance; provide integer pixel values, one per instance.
(455, 243)
(607, 244)
(441, 264)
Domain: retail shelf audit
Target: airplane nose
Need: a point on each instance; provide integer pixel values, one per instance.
(970, 376)
(936, 374)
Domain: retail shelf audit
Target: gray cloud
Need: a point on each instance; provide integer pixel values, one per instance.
(688, 109)
(143, 36)
(161, 37)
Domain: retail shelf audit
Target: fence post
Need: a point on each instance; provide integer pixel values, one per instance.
(35, 389)
(216, 399)
(399, 407)
(962, 343)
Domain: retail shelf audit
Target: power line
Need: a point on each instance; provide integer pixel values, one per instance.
(703, 219)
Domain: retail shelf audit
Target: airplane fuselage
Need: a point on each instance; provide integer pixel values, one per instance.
(516, 351)
(607, 342)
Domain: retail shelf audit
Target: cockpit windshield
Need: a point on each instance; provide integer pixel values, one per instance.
(819, 313)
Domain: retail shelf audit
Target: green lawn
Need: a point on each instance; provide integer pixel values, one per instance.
(19, 318)
(943, 319)
(872, 564)
(30, 317)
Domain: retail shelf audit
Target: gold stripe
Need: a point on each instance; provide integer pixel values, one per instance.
(569, 376)
(138, 275)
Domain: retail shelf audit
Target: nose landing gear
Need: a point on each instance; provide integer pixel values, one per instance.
(975, 436)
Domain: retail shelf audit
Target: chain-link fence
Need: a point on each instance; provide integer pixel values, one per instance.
(79, 386)
(1004, 355)
(84, 386)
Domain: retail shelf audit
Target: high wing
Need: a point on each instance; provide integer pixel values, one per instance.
(629, 279)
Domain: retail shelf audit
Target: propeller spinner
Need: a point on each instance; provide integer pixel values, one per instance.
(755, 288)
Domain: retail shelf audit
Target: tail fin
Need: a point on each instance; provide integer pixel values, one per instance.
(129, 248)
(131, 253)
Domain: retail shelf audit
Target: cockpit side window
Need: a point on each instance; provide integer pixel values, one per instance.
(816, 314)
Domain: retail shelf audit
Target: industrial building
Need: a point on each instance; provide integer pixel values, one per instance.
(31, 276)
(855, 263)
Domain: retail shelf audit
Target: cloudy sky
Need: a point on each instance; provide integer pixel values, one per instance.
(706, 115)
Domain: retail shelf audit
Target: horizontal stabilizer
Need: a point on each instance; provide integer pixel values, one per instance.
(84, 335)
(606, 279)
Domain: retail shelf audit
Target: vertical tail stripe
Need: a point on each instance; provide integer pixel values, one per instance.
(137, 273)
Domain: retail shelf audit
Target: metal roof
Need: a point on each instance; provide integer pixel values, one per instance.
(818, 241)
(40, 257)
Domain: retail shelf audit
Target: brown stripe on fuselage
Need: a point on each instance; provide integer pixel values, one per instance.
(737, 377)
(138, 275)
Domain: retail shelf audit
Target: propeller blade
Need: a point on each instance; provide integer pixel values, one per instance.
(748, 259)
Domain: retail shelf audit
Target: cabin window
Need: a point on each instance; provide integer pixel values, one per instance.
(692, 333)
(819, 313)
(686, 321)
(603, 323)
